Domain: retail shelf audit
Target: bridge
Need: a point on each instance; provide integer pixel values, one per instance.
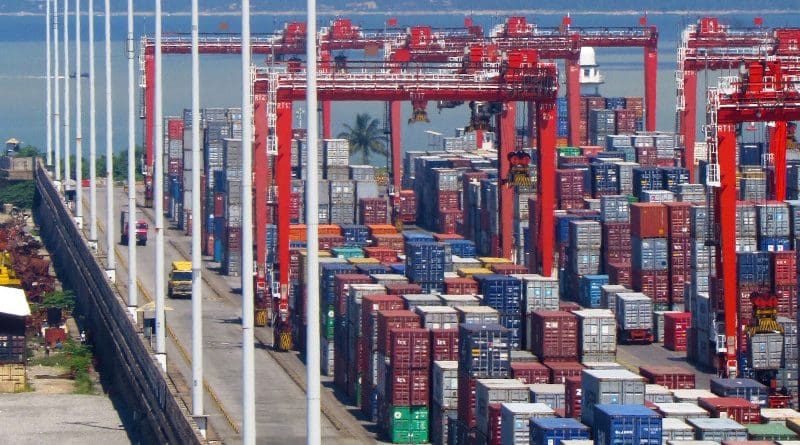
(161, 401)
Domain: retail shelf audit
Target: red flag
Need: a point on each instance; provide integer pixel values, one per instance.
(391, 22)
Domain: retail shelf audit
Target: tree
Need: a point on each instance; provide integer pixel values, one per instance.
(366, 137)
(19, 194)
(28, 151)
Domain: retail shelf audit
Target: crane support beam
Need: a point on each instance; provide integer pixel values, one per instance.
(725, 215)
(396, 149)
(574, 101)
(283, 167)
(546, 126)
(261, 180)
(650, 74)
(688, 119)
(777, 146)
(326, 119)
(507, 135)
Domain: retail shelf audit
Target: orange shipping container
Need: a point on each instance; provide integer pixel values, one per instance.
(297, 232)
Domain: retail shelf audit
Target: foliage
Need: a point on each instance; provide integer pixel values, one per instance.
(119, 169)
(19, 194)
(58, 300)
(28, 151)
(75, 359)
(365, 137)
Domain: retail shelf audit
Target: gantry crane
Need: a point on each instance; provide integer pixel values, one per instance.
(710, 45)
(274, 92)
(766, 91)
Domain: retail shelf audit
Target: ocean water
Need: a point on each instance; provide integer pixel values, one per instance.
(22, 75)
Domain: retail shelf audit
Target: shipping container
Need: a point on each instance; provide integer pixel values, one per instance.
(553, 335)
(489, 391)
(619, 387)
(745, 388)
(736, 408)
(626, 424)
(717, 429)
(681, 410)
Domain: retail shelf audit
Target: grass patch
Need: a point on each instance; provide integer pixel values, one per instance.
(74, 358)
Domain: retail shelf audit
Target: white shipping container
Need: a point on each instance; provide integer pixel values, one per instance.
(781, 415)
(676, 429)
(454, 300)
(718, 429)
(634, 311)
(681, 410)
(515, 421)
(597, 331)
(326, 356)
(691, 395)
(608, 297)
(551, 394)
(658, 394)
(437, 317)
(477, 315)
(413, 300)
(539, 292)
(389, 278)
(444, 384)
(488, 391)
(601, 386)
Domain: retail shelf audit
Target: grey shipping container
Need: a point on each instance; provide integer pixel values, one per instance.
(634, 311)
(619, 387)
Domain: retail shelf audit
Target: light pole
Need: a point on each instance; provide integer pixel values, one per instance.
(133, 291)
(49, 86)
(67, 111)
(92, 134)
(78, 119)
(56, 94)
(110, 259)
(158, 198)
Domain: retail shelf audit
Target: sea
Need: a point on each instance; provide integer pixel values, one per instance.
(22, 73)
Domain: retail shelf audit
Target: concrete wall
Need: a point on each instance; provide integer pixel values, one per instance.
(132, 371)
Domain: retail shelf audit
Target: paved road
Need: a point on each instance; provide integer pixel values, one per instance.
(280, 401)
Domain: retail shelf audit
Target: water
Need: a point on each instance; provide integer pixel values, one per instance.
(23, 89)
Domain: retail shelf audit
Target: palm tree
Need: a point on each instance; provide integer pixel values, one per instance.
(366, 137)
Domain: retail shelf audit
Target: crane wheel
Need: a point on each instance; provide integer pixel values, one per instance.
(285, 341)
(261, 317)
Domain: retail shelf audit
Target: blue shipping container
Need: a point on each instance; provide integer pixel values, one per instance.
(646, 178)
(745, 388)
(671, 177)
(549, 431)
(373, 268)
(590, 291)
(605, 178)
(501, 292)
(650, 253)
(462, 247)
(217, 250)
(753, 268)
(626, 425)
(413, 237)
(773, 244)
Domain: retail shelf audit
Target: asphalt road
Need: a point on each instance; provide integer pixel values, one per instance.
(280, 399)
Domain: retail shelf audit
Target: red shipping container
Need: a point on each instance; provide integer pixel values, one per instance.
(175, 129)
(408, 206)
(676, 287)
(372, 210)
(680, 254)
(673, 377)
(370, 305)
(494, 428)
(447, 221)
(447, 199)
(679, 219)
(569, 184)
(570, 204)
(509, 269)
(559, 371)
(382, 254)
(447, 236)
(460, 286)
(444, 344)
(219, 205)
(649, 220)
(408, 387)
(787, 300)
(294, 206)
(653, 283)
(353, 370)
(328, 242)
(573, 397)
(738, 409)
(569, 306)
(530, 372)
(392, 241)
(646, 156)
(466, 400)
(619, 273)
(342, 284)
(617, 242)
(388, 320)
(554, 335)
(676, 325)
(401, 289)
(410, 348)
(784, 267)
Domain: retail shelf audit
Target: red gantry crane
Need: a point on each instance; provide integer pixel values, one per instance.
(274, 92)
(710, 45)
(766, 91)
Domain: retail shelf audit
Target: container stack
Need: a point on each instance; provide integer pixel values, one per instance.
(502, 293)
(553, 335)
(336, 159)
(232, 256)
(425, 265)
(616, 239)
(585, 241)
(649, 239)
(597, 335)
(679, 250)
(370, 306)
(444, 399)
(626, 423)
(484, 353)
(634, 312)
(404, 413)
(489, 394)
(599, 387)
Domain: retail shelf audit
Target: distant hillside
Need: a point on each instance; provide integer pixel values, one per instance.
(502, 6)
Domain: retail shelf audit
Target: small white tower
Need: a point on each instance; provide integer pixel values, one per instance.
(590, 77)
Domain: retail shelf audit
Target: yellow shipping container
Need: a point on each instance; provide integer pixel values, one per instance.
(487, 261)
(469, 272)
(356, 261)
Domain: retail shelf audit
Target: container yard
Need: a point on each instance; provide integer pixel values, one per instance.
(577, 276)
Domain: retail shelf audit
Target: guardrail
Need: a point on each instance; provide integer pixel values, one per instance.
(133, 372)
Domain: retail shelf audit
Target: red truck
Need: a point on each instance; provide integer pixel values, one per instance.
(141, 230)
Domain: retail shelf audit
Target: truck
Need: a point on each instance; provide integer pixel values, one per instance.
(141, 229)
(180, 279)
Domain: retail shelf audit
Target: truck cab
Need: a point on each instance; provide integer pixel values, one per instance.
(141, 229)
(180, 279)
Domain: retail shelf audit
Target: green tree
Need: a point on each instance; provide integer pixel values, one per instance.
(28, 151)
(19, 194)
(365, 137)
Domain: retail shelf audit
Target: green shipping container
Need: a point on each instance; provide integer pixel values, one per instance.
(632, 199)
(328, 321)
(347, 252)
(408, 424)
(569, 151)
(770, 431)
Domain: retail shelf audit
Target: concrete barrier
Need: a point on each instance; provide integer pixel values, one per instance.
(132, 371)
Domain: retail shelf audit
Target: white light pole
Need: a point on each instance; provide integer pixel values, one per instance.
(110, 259)
(78, 119)
(313, 427)
(248, 346)
(56, 94)
(67, 111)
(158, 197)
(133, 291)
(92, 134)
(197, 283)
(48, 87)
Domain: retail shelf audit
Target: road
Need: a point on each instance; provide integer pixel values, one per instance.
(280, 399)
